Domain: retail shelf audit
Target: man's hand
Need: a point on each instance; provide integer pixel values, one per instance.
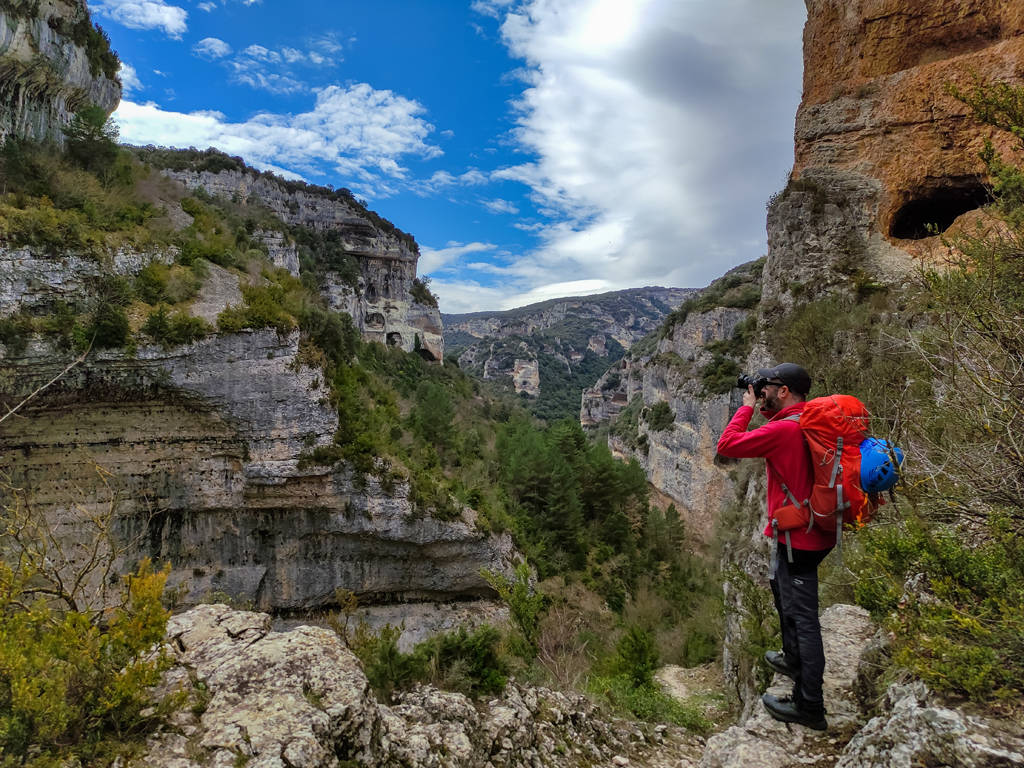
(749, 398)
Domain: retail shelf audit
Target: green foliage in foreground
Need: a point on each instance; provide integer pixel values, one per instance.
(961, 629)
(526, 605)
(72, 686)
(464, 661)
(629, 686)
(646, 702)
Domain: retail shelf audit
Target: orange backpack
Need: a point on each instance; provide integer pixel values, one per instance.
(834, 428)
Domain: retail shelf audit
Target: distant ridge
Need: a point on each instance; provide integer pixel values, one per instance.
(552, 350)
(541, 305)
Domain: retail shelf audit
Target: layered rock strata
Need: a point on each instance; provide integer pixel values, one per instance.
(198, 449)
(45, 76)
(381, 303)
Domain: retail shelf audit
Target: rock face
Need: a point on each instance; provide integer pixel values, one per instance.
(882, 149)
(199, 447)
(45, 75)
(300, 699)
(381, 303)
(205, 442)
(679, 459)
(914, 729)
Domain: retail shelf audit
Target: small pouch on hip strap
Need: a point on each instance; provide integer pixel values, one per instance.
(793, 516)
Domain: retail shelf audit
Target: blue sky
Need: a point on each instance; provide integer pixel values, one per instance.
(535, 148)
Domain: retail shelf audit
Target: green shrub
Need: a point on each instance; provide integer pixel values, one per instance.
(961, 627)
(660, 416)
(262, 308)
(91, 140)
(421, 293)
(15, 331)
(636, 656)
(108, 326)
(526, 605)
(177, 328)
(63, 323)
(73, 687)
(646, 702)
(468, 662)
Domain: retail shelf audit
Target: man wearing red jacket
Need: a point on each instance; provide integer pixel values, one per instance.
(794, 577)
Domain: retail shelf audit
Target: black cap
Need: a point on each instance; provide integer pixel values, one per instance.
(790, 374)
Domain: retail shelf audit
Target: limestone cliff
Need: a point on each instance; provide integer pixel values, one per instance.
(199, 446)
(679, 366)
(380, 301)
(53, 62)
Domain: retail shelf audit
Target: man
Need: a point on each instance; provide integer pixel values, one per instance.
(794, 578)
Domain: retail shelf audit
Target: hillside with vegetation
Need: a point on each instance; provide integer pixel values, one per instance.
(611, 581)
(567, 343)
(605, 556)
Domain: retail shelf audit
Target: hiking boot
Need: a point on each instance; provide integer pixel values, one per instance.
(786, 711)
(777, 660)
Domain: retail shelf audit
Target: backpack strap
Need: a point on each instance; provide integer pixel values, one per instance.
(773, 566)
(836, 462)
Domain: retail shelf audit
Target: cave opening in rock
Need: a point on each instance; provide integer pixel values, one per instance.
(932, 211)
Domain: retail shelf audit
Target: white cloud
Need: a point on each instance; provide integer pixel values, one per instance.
(363, 133)
(500, 206)
(211, 48)
(455, 296)
(272, 70)
(129, 78)
(440, 180)
(492, 8)
(435, 259)
(144, 14)
(458, 296)
(210, 5)
(653, 133)
(261, 53)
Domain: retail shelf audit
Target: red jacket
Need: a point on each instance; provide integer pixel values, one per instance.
(781, 444)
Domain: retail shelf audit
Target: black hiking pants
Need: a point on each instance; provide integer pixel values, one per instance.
(795, 587)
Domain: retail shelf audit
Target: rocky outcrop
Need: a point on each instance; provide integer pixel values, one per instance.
(526, 377)
(380, 298)
(300, 699)
(45, 71)
(916, 729)
(882, 150)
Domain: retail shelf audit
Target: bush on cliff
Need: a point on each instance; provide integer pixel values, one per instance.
(76, 657)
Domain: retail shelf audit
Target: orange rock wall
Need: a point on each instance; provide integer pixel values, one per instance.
(874, 98)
